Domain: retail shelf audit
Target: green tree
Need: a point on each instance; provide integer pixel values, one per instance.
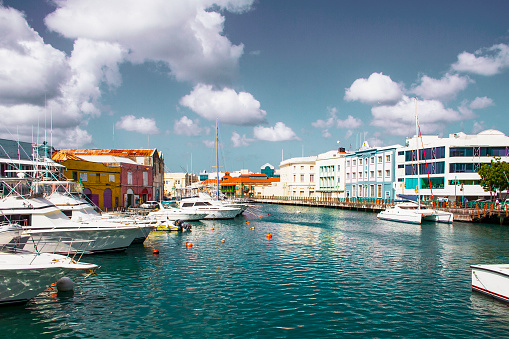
(495, 177)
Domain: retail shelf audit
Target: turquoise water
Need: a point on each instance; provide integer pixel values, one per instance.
(325, 273)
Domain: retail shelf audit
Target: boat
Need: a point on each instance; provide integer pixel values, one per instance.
(492, 280)
(69, 198)
(165, 212)
(25, 274)
(414, 213)
(45, 223)
(212, 211)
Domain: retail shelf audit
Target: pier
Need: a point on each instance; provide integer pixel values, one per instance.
(471, 212)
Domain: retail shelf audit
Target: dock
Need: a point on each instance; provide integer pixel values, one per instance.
(476, 213)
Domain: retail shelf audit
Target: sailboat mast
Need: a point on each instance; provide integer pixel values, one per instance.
(217, 157)
(417, 156)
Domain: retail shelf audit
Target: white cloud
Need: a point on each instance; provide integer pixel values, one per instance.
(239, 141)
(378, 88)
(400, 118)
(226, 105)
(209, 143)
(478, 127)
(333, 121)
(441, 89)
(185, 35)
(280, 132)
(140, 125)
(480, 103)
(487, 61)
(31, 71)
(186, 126)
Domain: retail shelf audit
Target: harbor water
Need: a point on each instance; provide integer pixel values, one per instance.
(324, 273)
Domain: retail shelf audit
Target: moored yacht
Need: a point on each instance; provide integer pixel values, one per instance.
(414, 213)
(492, 280)
(165, 213)
(212, 211)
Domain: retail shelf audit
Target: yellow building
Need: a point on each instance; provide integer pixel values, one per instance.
(101, 182)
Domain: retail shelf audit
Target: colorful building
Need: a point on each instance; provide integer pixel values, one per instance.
(145, 157)
(245, 184)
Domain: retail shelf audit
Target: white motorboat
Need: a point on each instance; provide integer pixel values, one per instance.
(212, 211)
(68, 197)
(224, 202)
(164, 213)
(492, 280)
(45, 222)
(25, 275)
(413, 213)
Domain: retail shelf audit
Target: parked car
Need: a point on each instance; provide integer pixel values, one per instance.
(149, 204)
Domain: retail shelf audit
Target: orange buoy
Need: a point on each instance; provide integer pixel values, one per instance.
(212, 229)
(247, 222)
(269, 236)
(189, 244)
(155, 252)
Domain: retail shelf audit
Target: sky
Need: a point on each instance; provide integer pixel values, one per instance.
(285, 78)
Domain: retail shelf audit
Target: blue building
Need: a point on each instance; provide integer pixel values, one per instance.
(268, 169)
(370, 172)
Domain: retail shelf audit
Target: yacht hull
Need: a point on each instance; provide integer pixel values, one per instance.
(492, 280)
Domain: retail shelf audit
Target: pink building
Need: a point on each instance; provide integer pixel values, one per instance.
(136, 182)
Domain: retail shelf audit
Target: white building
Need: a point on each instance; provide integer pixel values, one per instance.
(175, 182)
(330, 168)
(298, 176)
(450, 163)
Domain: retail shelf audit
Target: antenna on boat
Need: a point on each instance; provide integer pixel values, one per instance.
(217, 158)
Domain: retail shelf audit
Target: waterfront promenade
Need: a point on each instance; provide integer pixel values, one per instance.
(471, 212)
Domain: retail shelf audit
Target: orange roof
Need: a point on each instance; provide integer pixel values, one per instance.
(112, 152)
(62, 156)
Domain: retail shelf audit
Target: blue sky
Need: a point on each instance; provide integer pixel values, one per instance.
(285, 78)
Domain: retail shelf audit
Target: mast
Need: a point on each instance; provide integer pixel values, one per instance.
(417, 156)
(217, 158)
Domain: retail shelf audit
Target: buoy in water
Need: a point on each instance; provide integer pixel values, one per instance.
(155, 252)
(222, 240)
(269, 236)
(65, 284)
(212, 229)
(189, 244)
(252, 228)
(247, 222)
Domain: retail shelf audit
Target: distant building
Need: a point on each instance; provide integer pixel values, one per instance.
(449, 164)
(175, 183)
(244, 185)
(330, 168)
(268, 169)
(298, 176)
(370, 172)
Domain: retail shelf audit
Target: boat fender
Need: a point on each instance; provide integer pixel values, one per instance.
(65, 284)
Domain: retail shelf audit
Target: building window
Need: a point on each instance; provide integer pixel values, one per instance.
(111, 178)
(348, 162)
(372, 174)
(354, 162)
(379, 191)
(302, 168)
(311, 168)
(353, 190)
(74, 175)
(360, 190)
(379, 173)
(312, 177)
(129, 178)
(379, 159)
(371, 191)
(372, 160)
(388, 158)
(302, 178)
(294, 178)
(348, 175)
(353, 175)
(387, 173)
(83, 176)
(360, 175)
(145, 179)
(360, 161)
